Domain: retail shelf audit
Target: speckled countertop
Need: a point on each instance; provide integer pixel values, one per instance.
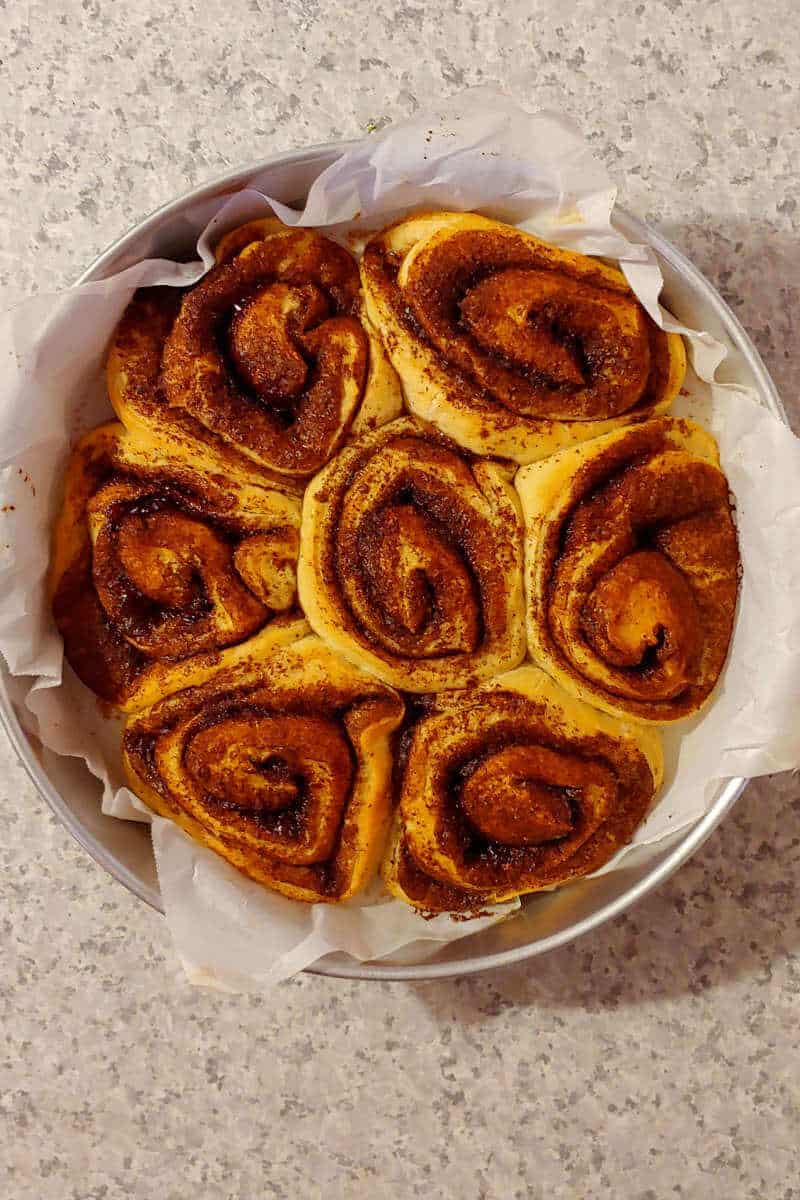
(658, 1057)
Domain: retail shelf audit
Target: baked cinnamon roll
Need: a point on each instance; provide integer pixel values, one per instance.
(269, 358)
(512, 346)
(511, 788)
(632, 569)
(411, 560)
(160, 570)
(281, 764)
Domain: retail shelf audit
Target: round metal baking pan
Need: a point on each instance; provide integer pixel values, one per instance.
(546, 921)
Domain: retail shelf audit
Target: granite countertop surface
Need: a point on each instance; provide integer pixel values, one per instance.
(655, 1058)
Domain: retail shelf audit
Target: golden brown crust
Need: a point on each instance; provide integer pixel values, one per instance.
(632, 569)
(266, 361)
(280, 764)
(514, 788)
(410, 560)
(513, 346)
(157, 566)
(408, 881)
(173, 571)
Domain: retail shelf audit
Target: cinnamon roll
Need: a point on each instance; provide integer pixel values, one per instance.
(511, 788)
(269, 357)
(281, 764)
(632, 568)
(512, 346)
(159, 570)
(411, 560)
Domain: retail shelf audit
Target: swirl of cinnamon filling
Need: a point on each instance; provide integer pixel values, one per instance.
(632, 568)
(510, 345)
(512, 788)
(158, 569)
(268, 359)
(280, 763)
(410, 560)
